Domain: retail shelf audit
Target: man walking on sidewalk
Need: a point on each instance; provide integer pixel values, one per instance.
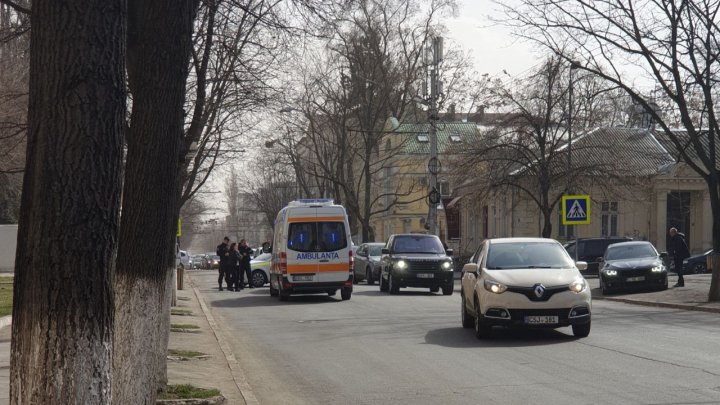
(679, 250)
(226, 262)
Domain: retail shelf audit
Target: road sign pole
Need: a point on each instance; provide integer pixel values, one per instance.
(432, 112)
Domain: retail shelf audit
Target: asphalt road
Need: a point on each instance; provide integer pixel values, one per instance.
(411, 349)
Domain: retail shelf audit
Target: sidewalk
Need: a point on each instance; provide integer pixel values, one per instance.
(692, 297)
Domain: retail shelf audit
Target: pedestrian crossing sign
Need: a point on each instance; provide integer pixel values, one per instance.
(576, 209)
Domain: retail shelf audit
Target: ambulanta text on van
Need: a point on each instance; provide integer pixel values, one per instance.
(311, 250)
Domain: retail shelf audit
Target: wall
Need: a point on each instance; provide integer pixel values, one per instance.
(8, 244)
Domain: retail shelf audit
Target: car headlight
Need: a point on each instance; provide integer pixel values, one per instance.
(447, 266)
(494, 287)
(610, 273)
(578, 286)
(401, 264)
(658, 269)
(685, 261)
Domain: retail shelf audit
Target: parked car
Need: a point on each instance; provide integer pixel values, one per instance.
(416, 260)
(367, 262)
(632, 265)
(696, 264)
(214, 262)
(198, 262)
(588, 250)
(260, 269)
(185, 260)
(527, 282)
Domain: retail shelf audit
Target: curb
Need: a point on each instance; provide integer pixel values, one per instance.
(206, 401)
(237, 372)
(5, 321)
(663, 305)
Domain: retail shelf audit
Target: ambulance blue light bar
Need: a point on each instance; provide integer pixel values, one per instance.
(312, 201)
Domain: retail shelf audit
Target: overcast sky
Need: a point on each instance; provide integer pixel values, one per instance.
(493, 48)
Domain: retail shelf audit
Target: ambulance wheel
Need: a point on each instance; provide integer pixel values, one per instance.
(345, 293)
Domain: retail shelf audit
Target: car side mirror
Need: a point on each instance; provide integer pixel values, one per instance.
(599, 260)
(449, 252)
(385, 251)
(581, 265)
(664, 255)
(470, 268)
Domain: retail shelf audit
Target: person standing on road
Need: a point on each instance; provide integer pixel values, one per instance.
(245, 257)
(679, 250)
(223, 250)
(235, 266)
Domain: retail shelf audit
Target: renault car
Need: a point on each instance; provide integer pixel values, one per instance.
(525, 282)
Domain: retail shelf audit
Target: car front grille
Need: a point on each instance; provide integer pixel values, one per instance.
(530, 292)
(635, 272)
(420, 266)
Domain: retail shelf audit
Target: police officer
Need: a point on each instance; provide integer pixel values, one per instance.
(245, 257)
(225, 270)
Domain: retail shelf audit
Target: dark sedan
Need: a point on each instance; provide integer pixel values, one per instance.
(632, 265)
(696, 264)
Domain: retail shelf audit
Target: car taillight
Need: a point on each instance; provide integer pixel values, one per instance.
(283, 262)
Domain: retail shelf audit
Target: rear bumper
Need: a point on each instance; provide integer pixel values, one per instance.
(314, 288)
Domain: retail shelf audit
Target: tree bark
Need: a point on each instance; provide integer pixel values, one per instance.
(714, 293)
(159, 46)
(67, 240)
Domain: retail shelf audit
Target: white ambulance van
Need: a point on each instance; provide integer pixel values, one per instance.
(311, 250)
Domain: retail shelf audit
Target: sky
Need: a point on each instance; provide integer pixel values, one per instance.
(493, 47)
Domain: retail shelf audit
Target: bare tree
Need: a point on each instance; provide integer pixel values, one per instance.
(672, 45)
(528, 149)
(62, 330)
(159, 46)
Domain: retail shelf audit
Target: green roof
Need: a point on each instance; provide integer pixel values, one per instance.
(450, 135)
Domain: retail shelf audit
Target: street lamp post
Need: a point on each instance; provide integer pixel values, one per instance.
(437, 51)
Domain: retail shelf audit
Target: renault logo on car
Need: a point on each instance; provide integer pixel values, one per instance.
(539, 290)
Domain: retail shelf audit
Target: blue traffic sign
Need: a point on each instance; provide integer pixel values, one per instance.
(576, 209)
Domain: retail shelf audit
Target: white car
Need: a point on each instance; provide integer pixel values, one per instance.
(260, 269)
(530, 282)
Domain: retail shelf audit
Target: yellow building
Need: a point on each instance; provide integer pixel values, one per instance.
(652, 192)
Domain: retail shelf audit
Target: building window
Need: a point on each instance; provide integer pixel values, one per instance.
(444, 188)
(452, 216)
(565, 231)
(609, 218)
(455, 137)
(422, 138)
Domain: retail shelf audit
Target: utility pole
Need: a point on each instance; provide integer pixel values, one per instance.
(434, 163)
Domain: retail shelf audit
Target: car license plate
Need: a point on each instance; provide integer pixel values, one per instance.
(541, 320)
(426, 275)
(302, 278)
(631, 279)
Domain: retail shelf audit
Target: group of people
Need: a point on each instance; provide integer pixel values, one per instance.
(234, 264)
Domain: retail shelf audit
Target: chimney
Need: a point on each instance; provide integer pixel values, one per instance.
(479, 114)
(450, 115)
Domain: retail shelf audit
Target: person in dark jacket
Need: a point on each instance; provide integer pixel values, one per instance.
(225, 269)
(679, 250)
(235, 279)
(245, 257)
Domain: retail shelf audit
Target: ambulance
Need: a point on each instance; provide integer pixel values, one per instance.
(311, 250)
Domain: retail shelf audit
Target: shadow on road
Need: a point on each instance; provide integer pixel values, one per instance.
(378, 293)
(501, 337)
(262, 298)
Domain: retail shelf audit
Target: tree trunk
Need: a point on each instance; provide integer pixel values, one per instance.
(714, 294)
(67, 240)
(547, 224)
(158, 57)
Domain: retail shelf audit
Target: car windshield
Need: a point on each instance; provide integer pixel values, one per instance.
(417, 244)
(527, 255)
(375, 250)
(627, 252)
